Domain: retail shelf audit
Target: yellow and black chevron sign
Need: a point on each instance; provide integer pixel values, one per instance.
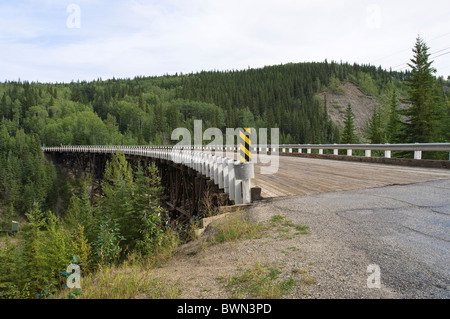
(246, 143)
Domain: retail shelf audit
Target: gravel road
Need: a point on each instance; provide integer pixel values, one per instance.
(402, 229)
(405, 230)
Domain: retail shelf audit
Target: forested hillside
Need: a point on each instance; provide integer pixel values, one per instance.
(145, 110)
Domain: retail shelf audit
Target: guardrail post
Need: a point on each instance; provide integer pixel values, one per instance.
(368, 153)
(226, 180)
(237, 192)
(196, 159)
(231, 180)
(216, 169)
(335, 151)
(220, 172)
(417, 155)
(244, 172)
(205, 167)
(349, 152)
(211, 167)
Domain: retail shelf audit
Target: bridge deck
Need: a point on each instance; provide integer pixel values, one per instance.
(305, 176)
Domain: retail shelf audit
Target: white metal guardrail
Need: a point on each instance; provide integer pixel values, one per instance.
(417, 148)
(223, 171)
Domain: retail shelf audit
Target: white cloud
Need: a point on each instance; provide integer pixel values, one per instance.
(129, 38)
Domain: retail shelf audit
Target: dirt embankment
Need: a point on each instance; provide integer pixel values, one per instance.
(317, 265)
(348, 93)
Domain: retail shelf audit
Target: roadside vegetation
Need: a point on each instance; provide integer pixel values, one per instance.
(126, 220)
(260, 282)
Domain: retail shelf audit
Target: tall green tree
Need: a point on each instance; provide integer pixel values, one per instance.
(80, 213)
(349, 135)
(375, 131)
(420, 125)
(393, 129)
(117, 203)
(131, 201)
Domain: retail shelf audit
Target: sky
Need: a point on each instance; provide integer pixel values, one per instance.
(62, 41)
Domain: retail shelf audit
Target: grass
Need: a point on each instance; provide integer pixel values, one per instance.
(260, 282)
(302, 229)
(131, 279)
(121, 282)
(236, 227)
(276, 219)
(166, 250)
(284, 227)
(305, 278)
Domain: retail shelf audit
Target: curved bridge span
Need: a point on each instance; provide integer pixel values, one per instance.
(300, 169)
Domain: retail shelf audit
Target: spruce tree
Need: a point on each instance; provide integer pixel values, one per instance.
(117, 203)
(375, 132)
(421, 117)
(393, 126)
(4, 107)
(349, 135)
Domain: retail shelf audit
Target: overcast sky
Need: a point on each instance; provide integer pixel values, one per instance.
(61, 41)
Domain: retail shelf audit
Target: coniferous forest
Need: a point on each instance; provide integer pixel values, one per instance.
(57, 217)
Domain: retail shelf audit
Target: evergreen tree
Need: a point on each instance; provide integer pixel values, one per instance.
(80, 213)
(131, 201)
(349, 135)
(375, 131)
(117, 186)
(393, 132)
(4, 107)
(421, 115)
(32, 233)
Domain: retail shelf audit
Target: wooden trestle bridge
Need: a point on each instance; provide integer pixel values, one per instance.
(191, 173)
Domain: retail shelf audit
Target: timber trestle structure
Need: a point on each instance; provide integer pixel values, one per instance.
(191, 180)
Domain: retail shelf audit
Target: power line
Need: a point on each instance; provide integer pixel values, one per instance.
(441, 55)
(440, 51)
(390, 55)
(399, 67)
(440, 36)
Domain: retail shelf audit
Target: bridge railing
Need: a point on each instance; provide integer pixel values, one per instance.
(417, 148)
(223, 171)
